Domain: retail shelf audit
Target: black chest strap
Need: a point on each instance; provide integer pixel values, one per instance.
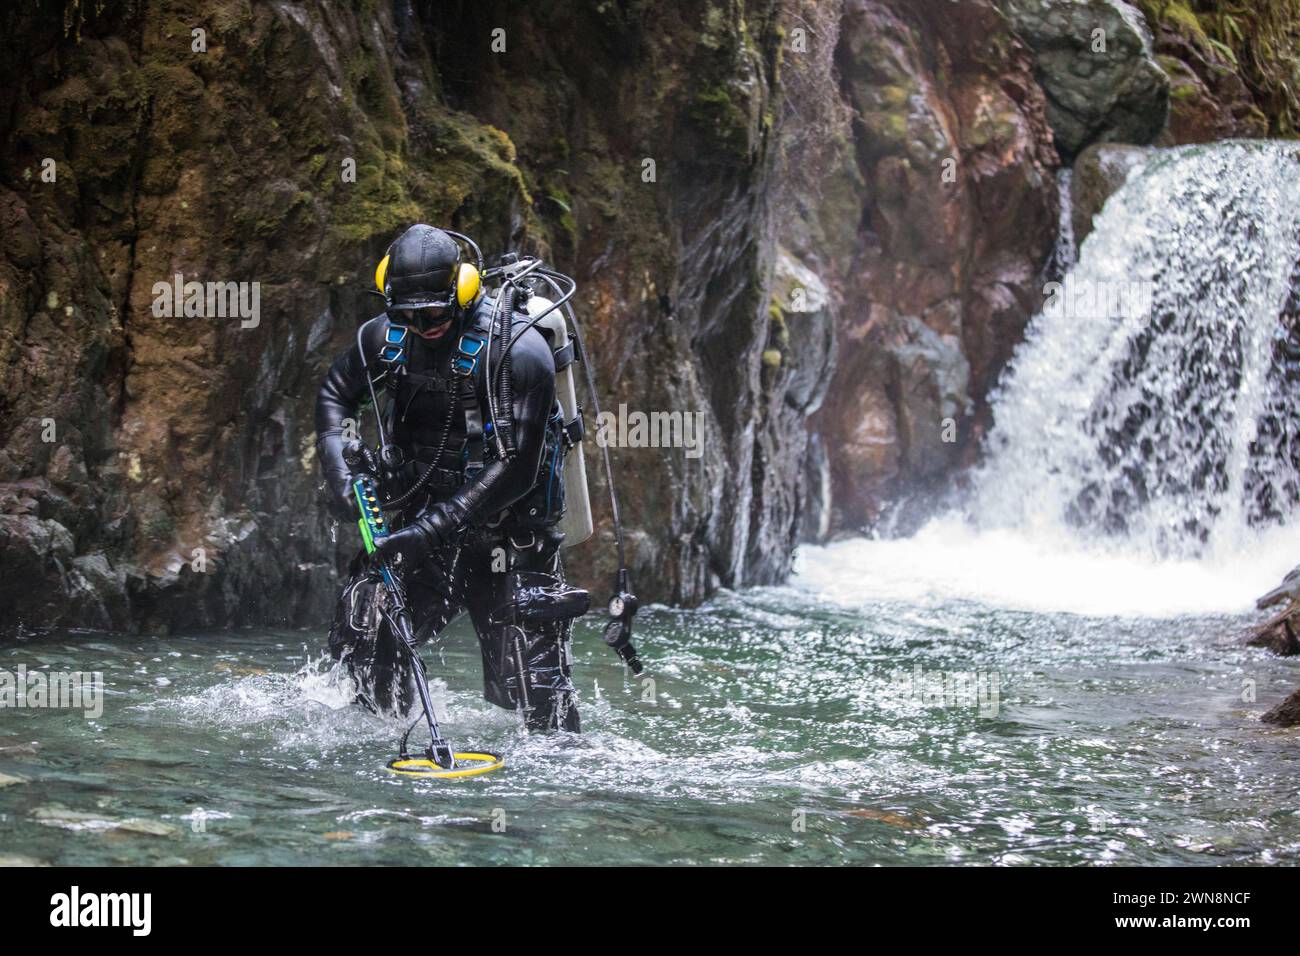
(470, 349)
(466, 362)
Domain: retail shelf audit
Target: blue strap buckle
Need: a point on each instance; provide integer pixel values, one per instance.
(394, 351)
(468, 348)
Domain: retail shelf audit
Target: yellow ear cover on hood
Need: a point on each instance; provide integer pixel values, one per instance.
(380, 271)
(467, 284)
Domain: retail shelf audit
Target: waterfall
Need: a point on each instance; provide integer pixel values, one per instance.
(1066, 252)
(1154, 402)
(1145, 453)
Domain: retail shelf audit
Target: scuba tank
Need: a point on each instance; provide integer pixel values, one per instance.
(525, 275)
(576, 523)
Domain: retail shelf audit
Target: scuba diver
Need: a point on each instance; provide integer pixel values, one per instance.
(478, 476)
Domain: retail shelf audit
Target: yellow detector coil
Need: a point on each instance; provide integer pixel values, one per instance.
(479, 763)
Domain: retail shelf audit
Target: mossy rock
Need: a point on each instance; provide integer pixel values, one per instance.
(717, 111)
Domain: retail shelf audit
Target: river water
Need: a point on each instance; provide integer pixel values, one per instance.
(784, 725)
(1052, 673)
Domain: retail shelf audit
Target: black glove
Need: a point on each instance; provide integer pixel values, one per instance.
(339, 497)
(410, 543)
(431, 530)
(342, 500)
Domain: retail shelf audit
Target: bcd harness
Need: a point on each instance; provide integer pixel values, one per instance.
(543, 504)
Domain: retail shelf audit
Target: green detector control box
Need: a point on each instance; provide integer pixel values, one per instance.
(372, 523)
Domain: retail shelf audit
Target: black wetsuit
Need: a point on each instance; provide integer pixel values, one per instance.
(504, 513)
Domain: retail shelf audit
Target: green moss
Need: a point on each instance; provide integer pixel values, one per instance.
(715, 28)
(473, 164)
(498, 140)
(783, 334)
(563, 202)
(778, 333)
(1259, 39)
(711, 102)
(716, 110)
(893, 97)
(891, 126)
(1178, 15)
(378, 202)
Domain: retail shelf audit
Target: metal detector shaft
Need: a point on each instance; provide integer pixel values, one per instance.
(373, 527)
(399, 620)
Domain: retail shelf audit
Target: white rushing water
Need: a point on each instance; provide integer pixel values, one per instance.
(1146, 447)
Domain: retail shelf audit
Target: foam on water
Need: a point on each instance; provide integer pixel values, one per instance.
(1012, 568)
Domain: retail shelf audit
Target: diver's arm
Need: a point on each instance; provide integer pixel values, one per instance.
(338, 401)
(501, 483)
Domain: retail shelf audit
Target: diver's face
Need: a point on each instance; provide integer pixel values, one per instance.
(430, 323)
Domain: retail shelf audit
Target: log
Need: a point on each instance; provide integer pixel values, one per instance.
(1279, 635)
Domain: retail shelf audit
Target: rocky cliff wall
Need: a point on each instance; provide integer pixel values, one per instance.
(964, 115)
(158, 471)
(820, 226)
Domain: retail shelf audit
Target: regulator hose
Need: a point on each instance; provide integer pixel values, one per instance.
(503, 418)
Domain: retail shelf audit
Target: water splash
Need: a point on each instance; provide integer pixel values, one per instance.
(1040, 571)
(311, 706)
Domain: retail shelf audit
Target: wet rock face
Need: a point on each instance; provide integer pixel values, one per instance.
(1095, 61)
(1099, 172)
(790, 477)
(1278, 637)
(649, 135)
(157, 471)
(1208, 98)
(174, 443)
(1285, 714)
(958, 213)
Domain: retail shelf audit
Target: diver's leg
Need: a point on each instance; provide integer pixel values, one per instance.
(372, 653)
(527, 661)
(552, 695)
(351, 612)
(354, 631)
(433, 598)
(482, 594)
(436, 593)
